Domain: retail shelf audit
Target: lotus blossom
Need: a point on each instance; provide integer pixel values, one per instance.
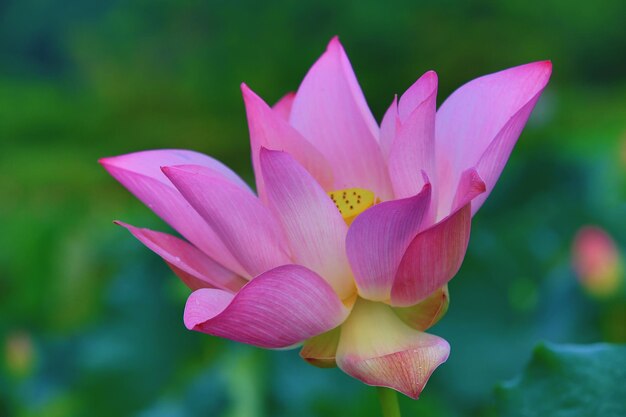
(355, 229)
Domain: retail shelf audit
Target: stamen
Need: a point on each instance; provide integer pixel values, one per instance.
(353, 202)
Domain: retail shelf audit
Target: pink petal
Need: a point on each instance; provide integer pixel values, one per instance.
(195, 268)
(247, 228)
(377, 348)
(283, 106)
(268, 129)
(313, 225)
(413, 149)
(436, 254)
(478, 125)
(432, 259)
(141, 174)
(331, 112)
(279, 308)
(378, 239)
(388, 128)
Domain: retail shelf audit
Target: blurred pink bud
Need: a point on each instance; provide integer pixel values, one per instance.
(597, 261)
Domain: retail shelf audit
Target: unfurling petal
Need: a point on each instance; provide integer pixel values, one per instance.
(269, 130)
(376, 347)
(283, 106)
(141, 174)
(277, 309)
(193, 267)
(413, 149)
(320, 350)
(313, 225)
(379, 237)
(426, 313)
(331, 112)
(478, 125)
(432, 259)
(247, 228)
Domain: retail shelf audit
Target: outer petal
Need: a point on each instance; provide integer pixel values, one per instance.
(195, 268)
(432, 259)
(378, 239)
(413, 150)
(436, 254)
(320, 350)
(427, 313)
(315, 229)
(268, 129)
(247, 228)
(331, 112)
(478, 125)
(140, 173)
(283, 106)
(279, 308)
(376, 347)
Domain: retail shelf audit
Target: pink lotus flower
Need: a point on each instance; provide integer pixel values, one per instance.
(356, 229)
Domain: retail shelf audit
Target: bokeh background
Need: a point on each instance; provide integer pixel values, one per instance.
(91, 321)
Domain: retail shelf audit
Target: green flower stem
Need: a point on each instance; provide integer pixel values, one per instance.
(389, 402)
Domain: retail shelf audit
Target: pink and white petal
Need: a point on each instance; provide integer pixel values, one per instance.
(495, 157)
(331, 112)
(389, 127)
(247, 228)
(277, 309)
(413, 149)
(269, 130)
(198, 270)
(426, 313)
(283, 106)
(314, 227)
(473, 117)
(377, 348)
(141, 174)
(470, 188)
(320, 350)
(379, 237)
(432, 259)
(416, 94)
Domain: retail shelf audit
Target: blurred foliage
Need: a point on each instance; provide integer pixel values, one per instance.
(570, 381)
(90, 321)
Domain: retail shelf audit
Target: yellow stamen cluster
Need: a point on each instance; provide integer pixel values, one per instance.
(352, 201)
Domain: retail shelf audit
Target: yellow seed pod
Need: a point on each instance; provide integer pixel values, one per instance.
(352, 201)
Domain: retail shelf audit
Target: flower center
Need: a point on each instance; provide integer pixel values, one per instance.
(352, 201)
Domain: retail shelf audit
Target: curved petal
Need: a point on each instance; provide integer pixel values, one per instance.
(279, 308)
(413, 149)
(388, 127)
(482, 120)
(268, 129)
(432, 259)
(331, 112)
(377, 348)
(283, 106)
(436, 254)
(193, 267)
(246, 227)
(378, 239)
(141, 174)
(320, 350)
(427, 313)
(315, 229)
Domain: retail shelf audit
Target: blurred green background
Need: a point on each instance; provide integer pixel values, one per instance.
(91, 321)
